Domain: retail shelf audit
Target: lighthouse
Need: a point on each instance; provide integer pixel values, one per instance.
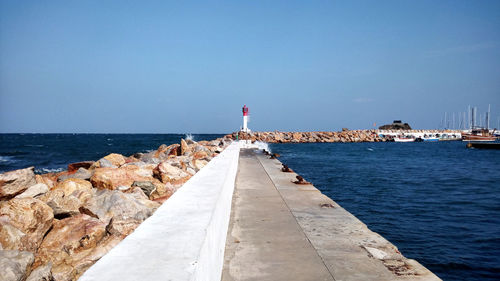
(245, 119)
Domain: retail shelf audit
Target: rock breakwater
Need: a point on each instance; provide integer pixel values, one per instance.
(305, 137)
(344, 136)
(55, 226)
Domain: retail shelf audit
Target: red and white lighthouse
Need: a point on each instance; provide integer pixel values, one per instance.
(245, 118)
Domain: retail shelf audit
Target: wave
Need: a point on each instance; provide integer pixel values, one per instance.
(6, 159)
(48, 170)
(34, 145)
(262, 145)
(189, 137)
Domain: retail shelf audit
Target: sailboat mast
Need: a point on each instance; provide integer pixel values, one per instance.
(488, 118)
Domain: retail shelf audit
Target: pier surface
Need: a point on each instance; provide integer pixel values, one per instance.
(282, 231)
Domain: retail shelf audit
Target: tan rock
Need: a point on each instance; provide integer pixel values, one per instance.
(116, 159)
(15, 182)
(171, 174)
(67, 197)
(164, 152)
(164, 192)
(199, 164)
(200, 154)
(184, 147)
(69, 244)
(45, 180)
(24, 222)
(112, 178)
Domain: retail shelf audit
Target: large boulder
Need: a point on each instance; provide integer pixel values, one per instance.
(24, 222)
(15, 182)
(15, 265)
(168, 173)
(112, 178)
(116, 159)
(164, 152)
(68, 196)
(184, 148)
(69, 244)
(123, 211)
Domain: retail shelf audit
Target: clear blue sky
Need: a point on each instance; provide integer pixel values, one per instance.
(185, 66)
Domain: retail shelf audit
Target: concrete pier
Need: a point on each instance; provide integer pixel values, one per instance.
(242, 218)
(283, 231)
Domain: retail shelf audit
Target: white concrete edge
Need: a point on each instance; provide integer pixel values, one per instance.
(185, 238)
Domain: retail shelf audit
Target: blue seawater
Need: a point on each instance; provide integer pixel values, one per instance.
(439, 203)
(53, 152)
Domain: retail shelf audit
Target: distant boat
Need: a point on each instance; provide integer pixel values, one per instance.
(430, 138)
(479, 135)
(450, 137)
(427, 138)
(404, 139)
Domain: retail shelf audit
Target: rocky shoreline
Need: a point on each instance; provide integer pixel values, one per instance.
(344, 136)
(55, 226)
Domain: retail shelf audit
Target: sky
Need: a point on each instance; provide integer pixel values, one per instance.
(189, 67)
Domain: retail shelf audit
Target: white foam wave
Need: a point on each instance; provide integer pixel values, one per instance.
(34, 145)
(189, 137)
(6, 158)
(48, 170)
(258, 144)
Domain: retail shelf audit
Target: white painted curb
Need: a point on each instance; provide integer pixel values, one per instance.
(185, 238)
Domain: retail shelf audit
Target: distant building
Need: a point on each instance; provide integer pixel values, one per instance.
(396, 125)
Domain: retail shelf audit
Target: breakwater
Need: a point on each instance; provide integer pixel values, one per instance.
(344, 136)
(56, 225)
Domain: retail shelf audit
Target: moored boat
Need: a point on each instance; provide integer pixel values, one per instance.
(478, 135)
(404, 139)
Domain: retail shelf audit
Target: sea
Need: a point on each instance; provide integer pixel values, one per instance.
(438, 202)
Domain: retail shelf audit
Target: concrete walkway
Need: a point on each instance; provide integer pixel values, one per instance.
(282, 231)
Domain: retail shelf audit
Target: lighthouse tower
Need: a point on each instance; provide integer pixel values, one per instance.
(245, 119)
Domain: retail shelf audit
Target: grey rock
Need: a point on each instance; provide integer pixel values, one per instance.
(149, 158)
(81, 173)
(14, 264)
(123, 211)
(34, 190)
(139, 164)
(41, 273)
(15, 182)
(146, 186)
(105, 163)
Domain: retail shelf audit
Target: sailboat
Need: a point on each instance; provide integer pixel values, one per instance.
(478, 133)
